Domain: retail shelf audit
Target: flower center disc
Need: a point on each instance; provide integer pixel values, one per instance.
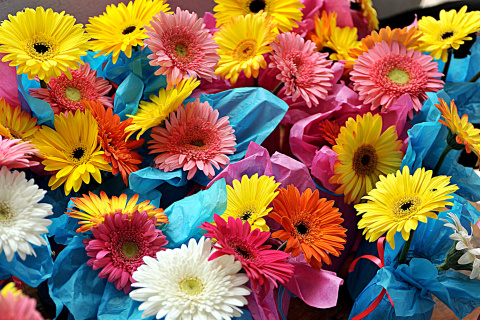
(398, 76)
(365, 160)
(78, 153)
(447, 35)
(73, 94)
(129, 249)
(181, 50)
(128, 30)
(197, 143)
(246, 50)
(4, 212)
(247, 213)
(191, 287)
(406, 206)
(257, 5)
(301, 228)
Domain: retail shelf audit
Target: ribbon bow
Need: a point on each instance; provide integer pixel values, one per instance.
(380, 263)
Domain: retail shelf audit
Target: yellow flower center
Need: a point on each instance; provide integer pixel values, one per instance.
(5, 212)
(41, 47)
(129, 249)
(257, 5)
(405, 207)
(247, 212)
(128, 30)
(73, 94)
(245, 50)
(398, 76)
(191, 286)
(365, 160)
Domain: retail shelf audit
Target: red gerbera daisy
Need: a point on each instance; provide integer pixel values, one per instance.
(121, 241)
(236, 238)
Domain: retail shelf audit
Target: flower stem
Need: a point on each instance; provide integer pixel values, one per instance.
(447, 64)
(278, 88)
(282, 247)
(406, 247)
(442, 158)
(43, 84)
(255, 82)
(475, 77)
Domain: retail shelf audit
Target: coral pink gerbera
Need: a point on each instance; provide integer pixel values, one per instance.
(15, 154)
(64, 94)
(15, 306)
(121, 241)
(305, 72)
(236, 238)
(193, 138)
(182, 47)
(388, 71)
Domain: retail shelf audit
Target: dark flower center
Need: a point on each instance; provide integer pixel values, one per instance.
(406, 206)
(128, 30)
(41, 48)
(78, 153)
(447, 35)
(257, 5)
(364, 160)
(198, 143)
(302, 229)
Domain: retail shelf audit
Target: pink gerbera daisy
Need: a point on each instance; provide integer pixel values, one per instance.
(65, 94)
(15, 306)
(305, 72)
(193, 138)
(15, 154)
(236, 238)
(387, 71)
(182, 47)
(121, 241)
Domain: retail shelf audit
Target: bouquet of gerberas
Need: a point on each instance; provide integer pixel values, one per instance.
(141, 173)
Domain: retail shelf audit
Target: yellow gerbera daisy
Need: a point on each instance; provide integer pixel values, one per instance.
(43, 43)
(400, 200)
(10, 288)
(15, 123)
(369, 13)
(450, 31)
(284, 12)
(123, 27)
(248, 200)
(363, 154)
(323, 25)
(341, 40)
(71, 150)
(463, 131)
(242, 43)
(92, 209)
(151, 114)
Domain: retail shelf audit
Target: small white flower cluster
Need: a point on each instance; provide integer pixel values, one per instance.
(463, 239)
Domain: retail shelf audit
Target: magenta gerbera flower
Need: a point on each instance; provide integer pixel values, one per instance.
(15, 154)
(193, 138)
(182, 47)
(305, 72)
(121, 242)
(387, 71)
(65, 94)
(236, 238)
(15, 306)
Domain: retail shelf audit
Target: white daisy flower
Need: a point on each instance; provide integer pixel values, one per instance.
(22, 218)
(182, 284)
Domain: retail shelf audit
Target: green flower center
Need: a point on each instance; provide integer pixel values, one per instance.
(129, 249)
(5, 212)
(181, 50)
(191, 287)
(73, 94)
(398, 76)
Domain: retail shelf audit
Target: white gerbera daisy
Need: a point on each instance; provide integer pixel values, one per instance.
(182, 284)
(22, 218)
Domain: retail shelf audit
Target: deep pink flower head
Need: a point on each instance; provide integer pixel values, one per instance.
(16, 306)
(193, 138)
(15, 154)
(66, 95)
(387, 71)
(305, 72)
(236, 238)
(120, 244)
(182, 47)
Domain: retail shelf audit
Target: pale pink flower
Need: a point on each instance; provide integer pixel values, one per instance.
(305, 72)
(182, 47)
(193, 138)
(15, 154)
(66, 95)
(387, 71)
(16, 306)
(121, 241)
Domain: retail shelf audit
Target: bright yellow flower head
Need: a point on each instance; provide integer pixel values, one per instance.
(323, 27)
(369, 13)
(363, 154)
(15, 123)
(123, 27)
(242, 42)
(42, 42)
(92, 209)
(151, 114)
(450, 31)
(10, 288)
(341, 40)
(400, 201)
(249, 199)
(71, 150)
(284, 12)
(465, 133)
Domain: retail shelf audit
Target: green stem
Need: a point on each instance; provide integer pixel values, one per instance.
(255, 82)
(43, 84)
(475, 77)
(278, 88)
(442, 158)
(406, 247)
(447, 64)
(282, 247)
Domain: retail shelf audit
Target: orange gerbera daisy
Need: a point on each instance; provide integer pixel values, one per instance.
(406, 36)
(92, 209)
(323, 26)
(118, 150)
(15, 123)
(330, 130)
(312, 225)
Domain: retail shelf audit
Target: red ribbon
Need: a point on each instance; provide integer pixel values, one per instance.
(380, 263)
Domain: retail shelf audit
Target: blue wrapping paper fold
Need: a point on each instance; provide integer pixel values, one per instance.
(464, 69)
